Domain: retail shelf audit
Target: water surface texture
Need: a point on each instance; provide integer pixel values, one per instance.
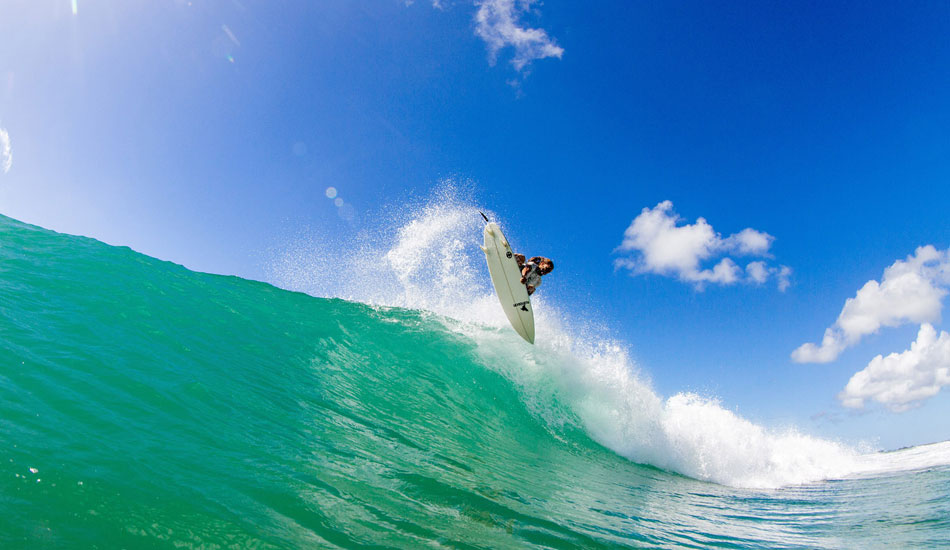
(143, 405)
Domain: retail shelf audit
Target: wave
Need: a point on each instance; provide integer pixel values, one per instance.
(142, 403)
(578, 381)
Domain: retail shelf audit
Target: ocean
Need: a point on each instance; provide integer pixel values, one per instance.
(143, 405)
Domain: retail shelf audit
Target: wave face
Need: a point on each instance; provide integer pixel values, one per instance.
(145, 405)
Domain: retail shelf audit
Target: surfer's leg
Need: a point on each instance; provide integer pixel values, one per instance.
(530, 290)
(520, 259)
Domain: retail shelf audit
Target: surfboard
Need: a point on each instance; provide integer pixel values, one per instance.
(506, 278)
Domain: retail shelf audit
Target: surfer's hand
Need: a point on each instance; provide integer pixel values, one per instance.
(522, 280)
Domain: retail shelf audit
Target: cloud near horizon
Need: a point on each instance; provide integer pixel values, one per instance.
(901, 381)
(6, 152)
(658, 244)
(911, 291)
(497, 23)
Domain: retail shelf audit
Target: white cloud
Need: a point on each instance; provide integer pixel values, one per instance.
(757, 272)
(496, 22)
(6, 153)
(750, 241)
(901, 381)
(910, 292)
(659, 244)
(784, 276)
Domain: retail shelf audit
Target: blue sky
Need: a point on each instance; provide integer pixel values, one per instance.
(205, 132)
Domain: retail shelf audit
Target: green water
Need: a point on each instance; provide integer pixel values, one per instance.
(143, 405)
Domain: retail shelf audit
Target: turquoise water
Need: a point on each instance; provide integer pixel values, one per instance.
(143, 405)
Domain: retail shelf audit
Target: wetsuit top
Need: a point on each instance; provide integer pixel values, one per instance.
(533, 278)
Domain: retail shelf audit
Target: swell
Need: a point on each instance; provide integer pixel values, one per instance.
(142, 404)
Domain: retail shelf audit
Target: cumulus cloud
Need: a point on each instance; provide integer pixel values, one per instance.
(903, 380)
(757, 272)
(911, 291)
(784, 276)
(656, 242)
(6, 153)
(750, 241)
(497, 23)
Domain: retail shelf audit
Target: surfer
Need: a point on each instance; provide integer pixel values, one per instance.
(532, 270)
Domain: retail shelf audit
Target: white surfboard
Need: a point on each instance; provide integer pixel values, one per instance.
(506, 277)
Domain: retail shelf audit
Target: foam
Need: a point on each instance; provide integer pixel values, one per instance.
(575, 375)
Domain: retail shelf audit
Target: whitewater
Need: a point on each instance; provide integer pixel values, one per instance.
(352, 403)
(576, 374)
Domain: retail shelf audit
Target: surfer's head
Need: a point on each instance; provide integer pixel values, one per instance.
(545, 266)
